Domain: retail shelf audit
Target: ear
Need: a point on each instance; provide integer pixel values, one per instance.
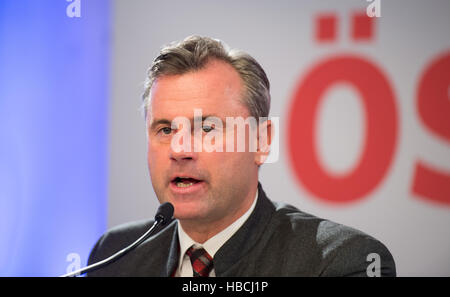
(265, 131)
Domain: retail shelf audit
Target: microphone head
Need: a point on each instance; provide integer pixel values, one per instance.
(164, 213)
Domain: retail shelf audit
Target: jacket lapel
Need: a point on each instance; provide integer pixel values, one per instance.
(174, 254)
(226, 260)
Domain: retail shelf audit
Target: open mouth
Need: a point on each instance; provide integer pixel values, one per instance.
(184, 182)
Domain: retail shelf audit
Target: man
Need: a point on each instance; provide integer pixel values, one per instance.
(224, 224)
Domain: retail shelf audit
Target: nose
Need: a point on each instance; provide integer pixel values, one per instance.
(182, 150)
(183, 156)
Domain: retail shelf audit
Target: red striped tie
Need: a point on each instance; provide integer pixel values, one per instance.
(201, 261)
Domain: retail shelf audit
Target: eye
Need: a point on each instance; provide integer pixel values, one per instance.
(207, 128)
(165, 130)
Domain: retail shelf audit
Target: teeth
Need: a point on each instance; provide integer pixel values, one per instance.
(183, 185)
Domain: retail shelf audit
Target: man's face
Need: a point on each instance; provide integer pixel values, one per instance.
(203, 186)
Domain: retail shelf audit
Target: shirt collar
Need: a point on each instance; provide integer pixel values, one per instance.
(213, 244)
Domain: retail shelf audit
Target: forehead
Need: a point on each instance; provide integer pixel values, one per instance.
(215, 89)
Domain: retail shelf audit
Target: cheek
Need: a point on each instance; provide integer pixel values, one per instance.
(150, 156)
(155, 156)
(228, 165)
(157, 168)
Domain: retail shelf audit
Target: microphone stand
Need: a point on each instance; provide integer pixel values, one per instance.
(114, 257)
(163, 215)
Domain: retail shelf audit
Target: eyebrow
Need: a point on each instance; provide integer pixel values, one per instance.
(158, 122)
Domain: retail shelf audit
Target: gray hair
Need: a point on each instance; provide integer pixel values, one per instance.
(194, 52)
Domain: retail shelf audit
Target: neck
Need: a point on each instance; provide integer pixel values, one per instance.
(202, 230)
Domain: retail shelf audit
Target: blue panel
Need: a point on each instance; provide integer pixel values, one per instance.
(54, 99)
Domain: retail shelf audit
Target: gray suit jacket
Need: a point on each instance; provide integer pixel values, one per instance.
(276, 240)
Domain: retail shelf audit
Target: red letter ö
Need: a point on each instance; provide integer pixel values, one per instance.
(380, 135)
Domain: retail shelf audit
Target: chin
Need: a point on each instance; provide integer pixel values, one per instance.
(186, 214)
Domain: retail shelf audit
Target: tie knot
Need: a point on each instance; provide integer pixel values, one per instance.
(201, 261)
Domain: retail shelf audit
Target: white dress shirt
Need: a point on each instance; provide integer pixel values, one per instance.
(212, 245)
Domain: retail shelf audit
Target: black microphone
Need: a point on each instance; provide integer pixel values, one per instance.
(162, 217)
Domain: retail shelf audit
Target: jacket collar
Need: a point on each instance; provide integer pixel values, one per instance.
(174, 254)
(228, 256)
